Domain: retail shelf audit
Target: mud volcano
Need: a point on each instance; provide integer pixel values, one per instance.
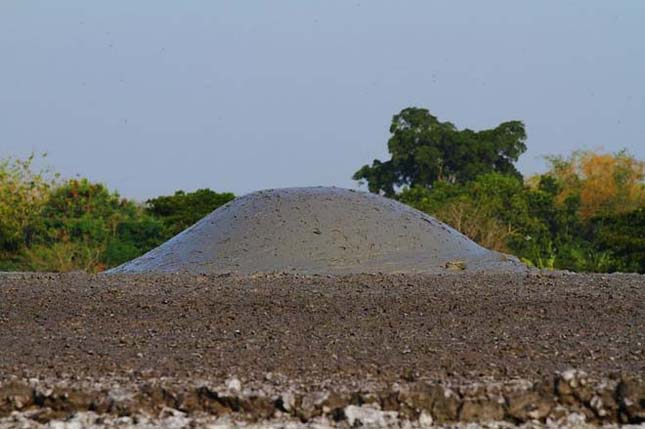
(318, 231)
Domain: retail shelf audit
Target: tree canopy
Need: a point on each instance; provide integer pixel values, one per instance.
(585, 213)
(425, 150)
(602, 183)
(49, 224)
(554, 220)
(181, 210)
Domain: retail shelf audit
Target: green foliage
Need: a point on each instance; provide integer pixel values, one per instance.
(60, 257)
(23, 193)
(493, 209)
(584, 214)
(594, 211)
(502, 213)
(48, 225)
(425, 151)
(134, 237)
(88, 214)
(181, 210)
(622, 236)
(52, 225)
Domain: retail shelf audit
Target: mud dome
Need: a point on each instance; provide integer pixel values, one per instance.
(318, 230)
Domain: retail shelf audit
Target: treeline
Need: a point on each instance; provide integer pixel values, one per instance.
(586, 213)
(49, 224)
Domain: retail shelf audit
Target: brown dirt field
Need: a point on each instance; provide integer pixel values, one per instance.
(334, 332)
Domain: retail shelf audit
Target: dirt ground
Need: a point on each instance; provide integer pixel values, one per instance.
(352, 334)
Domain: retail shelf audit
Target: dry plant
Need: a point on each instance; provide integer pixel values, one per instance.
(476, 223)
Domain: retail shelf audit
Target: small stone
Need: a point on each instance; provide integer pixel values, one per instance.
(234, 385)
(481, 410)
(455, 265)
(312, 405)
(370, 416)
(631, 398)
(15, 396)
(288, 401)
(425, 419)
(524, 406)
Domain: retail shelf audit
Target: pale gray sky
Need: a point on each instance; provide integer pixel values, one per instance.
(154, 96)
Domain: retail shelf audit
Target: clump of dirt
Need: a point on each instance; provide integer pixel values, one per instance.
(567, 397)
(319, 231)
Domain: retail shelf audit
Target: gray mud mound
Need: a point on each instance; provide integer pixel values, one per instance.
(318, 231)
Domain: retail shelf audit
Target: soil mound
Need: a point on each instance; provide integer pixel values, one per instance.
(318, 231)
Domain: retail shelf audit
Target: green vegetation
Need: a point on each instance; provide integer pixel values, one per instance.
(51, 225)
(586, 213)
(181, 210)
(425, 150)
(23, 194)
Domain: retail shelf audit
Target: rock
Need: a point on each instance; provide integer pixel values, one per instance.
(419, 398)
(234, 385)
(334, 403)
(529, 405)
(573, 388)
(425, 419)
(441, 403)
(257, 407)
(67, 401)
(630, 394)
(189, 402)
(311, 405)
(445, 406)
(455, 265)
(15, 396)
(378, 398)
(211, 402)
(370, 416)
(155, 397)
(481, 410)
(604, 404)
(287, 402)
(47, 415)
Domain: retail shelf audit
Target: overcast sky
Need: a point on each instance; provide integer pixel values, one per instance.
(154, 96)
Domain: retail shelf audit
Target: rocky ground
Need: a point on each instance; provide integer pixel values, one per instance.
(527, 349)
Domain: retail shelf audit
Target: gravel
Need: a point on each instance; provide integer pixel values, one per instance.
(272, 348)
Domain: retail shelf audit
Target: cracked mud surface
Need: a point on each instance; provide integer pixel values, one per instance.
(316, 335)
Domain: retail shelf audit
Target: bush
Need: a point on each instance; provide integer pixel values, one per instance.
(23, 193)
(622, 236)
(181, 210)
(49, 225)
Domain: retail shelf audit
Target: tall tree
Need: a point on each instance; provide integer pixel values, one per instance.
(425, 150)
(181, 210)
(604, 184)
